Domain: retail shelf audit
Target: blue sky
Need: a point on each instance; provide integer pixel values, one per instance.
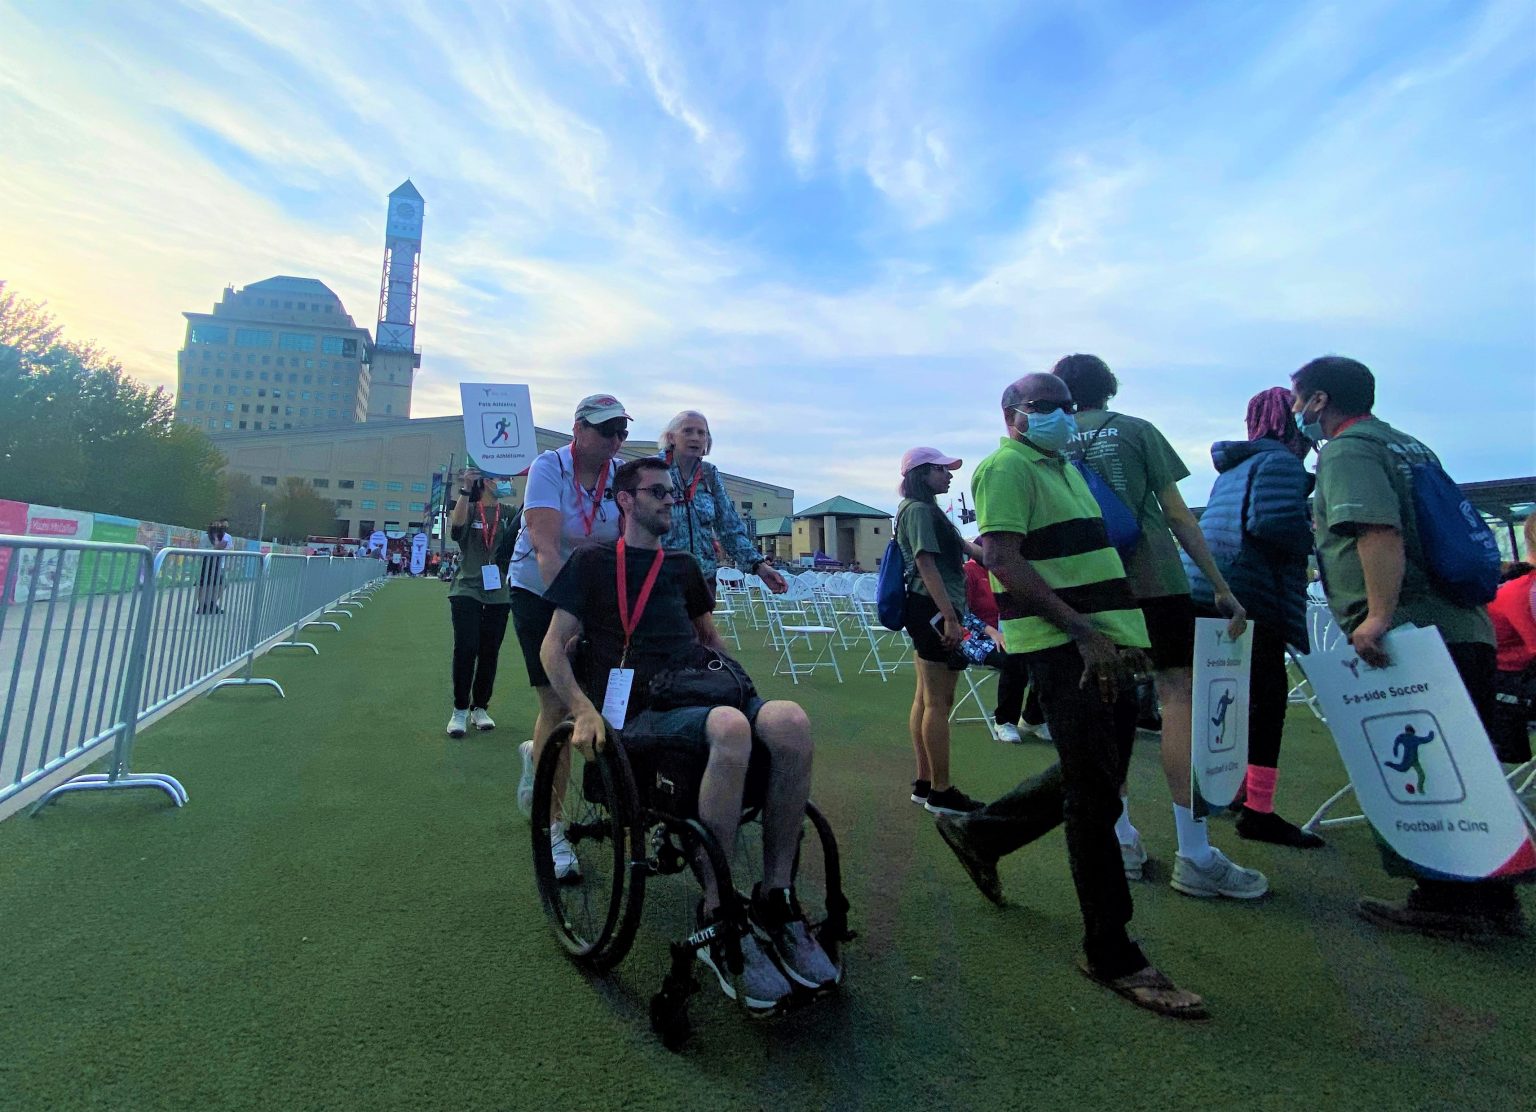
(838, 229)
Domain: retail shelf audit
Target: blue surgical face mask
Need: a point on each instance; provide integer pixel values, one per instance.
(1312, 430)
(1052, 431)
(503, 488)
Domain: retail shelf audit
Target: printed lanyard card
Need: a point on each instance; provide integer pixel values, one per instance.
(490, 577)
(616, 698)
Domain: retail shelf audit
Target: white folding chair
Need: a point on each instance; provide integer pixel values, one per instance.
(896, 649)
(793, 618)
(725, 617)
(973, 697)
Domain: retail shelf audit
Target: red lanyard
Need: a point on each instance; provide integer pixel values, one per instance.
(1352, 421)
(495, 524)
(698, 473)
(581, 495)
(631, 624)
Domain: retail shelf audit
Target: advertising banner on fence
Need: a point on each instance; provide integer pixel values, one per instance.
(1420, 761)
(13, 520)
(1220, 713)
(106, 576)
(419, 545)
(57, 571)
(498, 427)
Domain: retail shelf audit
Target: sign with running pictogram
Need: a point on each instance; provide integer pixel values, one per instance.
(1219, 719)
(1420, 761)
(498, 427)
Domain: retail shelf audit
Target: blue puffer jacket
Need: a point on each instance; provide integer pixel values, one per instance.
(1260, 532)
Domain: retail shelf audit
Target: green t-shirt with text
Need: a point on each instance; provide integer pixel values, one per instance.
(1365, 477)
(1132, 456)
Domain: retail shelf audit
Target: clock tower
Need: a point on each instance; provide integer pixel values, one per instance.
(395, 354)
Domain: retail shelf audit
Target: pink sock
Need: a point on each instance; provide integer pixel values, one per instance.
(1261, 788)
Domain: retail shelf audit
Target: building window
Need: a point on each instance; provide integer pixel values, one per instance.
(227, 424)
(265, 359)
(244, 407)
(345, 484)
(349, 348)
(321, 483)
(343, 503)
(392, 507)
(210, 334)
(211, 422)
(287, 411)
(394, 486)
(418, 488)
(309, 363)
(369, 504)
(295, 341)
(418, 507)
(253, 338)
(304, 411)
(261, 301)
(202, 404)
(370, 484)
(294, 378)
(286, 304)
(330, 413)
(305, 395)
(391, 409)
(242, 424)
(331, 345)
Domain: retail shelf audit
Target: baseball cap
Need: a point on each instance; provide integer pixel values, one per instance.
(597, 408)
(916, 457)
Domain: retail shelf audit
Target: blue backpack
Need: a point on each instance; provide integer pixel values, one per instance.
(891, 588)
(1121, 525)
(1460, 549)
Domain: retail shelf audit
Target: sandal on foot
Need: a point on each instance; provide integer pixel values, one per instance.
(1148, 988)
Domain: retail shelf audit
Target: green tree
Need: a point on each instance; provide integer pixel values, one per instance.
(76, 430)
(299, 512)
(240, 501)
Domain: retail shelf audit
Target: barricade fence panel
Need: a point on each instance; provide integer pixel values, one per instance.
(136, 634)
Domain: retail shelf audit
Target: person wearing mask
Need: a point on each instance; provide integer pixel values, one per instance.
(210, 579)
(934, 553)
(568, 503)
(1065, 604)
(705, 523)
(478, 600)
(1134, 458)
(1365, 527)
(1259, 531)
(1513, 613)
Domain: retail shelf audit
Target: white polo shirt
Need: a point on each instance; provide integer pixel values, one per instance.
(584, 519)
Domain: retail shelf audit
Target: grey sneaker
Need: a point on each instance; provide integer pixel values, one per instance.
(525, 785)
(763, 987)
(776, 912)
(458, 722)
(480, 720)
(1221, 877)
(1133, 855)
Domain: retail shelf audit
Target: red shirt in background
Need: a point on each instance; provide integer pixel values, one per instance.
(1514, 623)
(979, 598)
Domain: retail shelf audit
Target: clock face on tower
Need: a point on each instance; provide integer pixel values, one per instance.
(405, 219)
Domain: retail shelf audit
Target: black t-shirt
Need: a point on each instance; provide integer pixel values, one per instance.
(588, 588)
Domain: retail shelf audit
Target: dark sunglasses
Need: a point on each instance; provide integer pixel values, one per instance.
(614, 426)
(1047, 405)
(659, 491)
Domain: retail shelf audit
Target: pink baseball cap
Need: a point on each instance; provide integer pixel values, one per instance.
(916, 457)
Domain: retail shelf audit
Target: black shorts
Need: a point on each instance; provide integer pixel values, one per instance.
(1171, 629)
(668, 750)
(918, 622)
(531, 615)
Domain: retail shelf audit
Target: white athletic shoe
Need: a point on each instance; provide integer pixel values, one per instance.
(458, 722)
(1220, 877)
(566, 865)
(480, 720)
(525, 785)
(1133, 856)
(1008, 732)
(1042, 731)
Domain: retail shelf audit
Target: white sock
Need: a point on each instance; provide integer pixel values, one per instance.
(1194, 838)
(1123, 828)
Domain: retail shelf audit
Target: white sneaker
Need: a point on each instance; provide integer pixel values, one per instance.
(1221, 877)
(1133, 856)
(525, 785)
(1008, 732)
(1042, 731)
(480, 720)
(458, 722)
(566, 865)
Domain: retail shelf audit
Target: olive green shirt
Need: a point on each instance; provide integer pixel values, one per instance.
(476, 549)
(1133, 457)
(1365, 477)
(921, 527)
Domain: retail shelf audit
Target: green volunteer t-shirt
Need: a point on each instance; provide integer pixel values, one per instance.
(1018, 489)
(477, 541)
(920, 527)
(1137, 460)
(1364, 477)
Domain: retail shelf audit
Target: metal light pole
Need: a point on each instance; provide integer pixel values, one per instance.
(262, 528)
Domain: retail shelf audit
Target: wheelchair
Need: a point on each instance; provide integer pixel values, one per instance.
(629, 817)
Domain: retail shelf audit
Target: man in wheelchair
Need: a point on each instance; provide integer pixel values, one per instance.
(637, 621)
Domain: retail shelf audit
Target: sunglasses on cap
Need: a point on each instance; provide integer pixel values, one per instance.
(613, 427)
(1047, 405)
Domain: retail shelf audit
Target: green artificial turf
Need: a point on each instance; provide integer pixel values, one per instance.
(344, 917)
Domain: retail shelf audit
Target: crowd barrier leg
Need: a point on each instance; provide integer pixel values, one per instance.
(252, 639)
(299, 623)
(121, 776)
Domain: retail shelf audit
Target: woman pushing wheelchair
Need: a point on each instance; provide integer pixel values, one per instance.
(651, 664)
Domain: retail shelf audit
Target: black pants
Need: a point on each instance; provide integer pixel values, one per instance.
(1012, 680)
(478, 628)
(1093, 745)
(1477, 664)
(1269, 692)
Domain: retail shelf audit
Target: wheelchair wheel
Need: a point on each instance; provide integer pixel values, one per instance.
(595, 908)
(817, 876)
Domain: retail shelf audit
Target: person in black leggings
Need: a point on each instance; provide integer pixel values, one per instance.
(478, 600)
